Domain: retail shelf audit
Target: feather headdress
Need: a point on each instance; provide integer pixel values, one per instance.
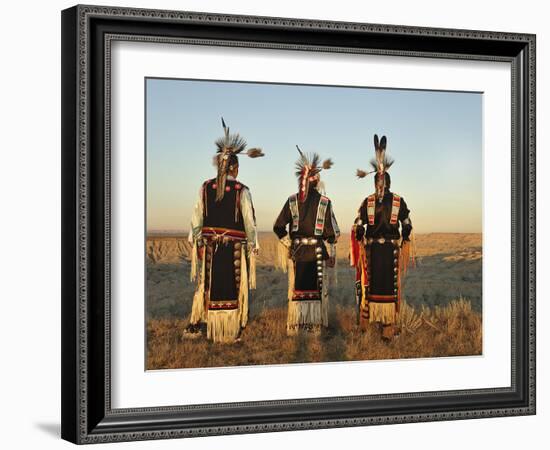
(229, 146)
(308, 168)
(380, 163)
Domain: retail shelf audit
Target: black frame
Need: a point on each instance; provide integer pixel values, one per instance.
(87, 31)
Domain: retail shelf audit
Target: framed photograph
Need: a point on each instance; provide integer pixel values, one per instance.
(280, 224)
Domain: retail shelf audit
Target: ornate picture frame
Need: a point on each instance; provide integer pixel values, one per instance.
(87, 35)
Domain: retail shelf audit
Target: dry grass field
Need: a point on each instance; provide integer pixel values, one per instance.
(441, 316)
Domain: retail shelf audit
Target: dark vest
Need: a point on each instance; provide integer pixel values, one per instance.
(227, 212)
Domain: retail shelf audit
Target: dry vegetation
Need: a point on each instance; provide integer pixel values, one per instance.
(437, 321)
(453, 330)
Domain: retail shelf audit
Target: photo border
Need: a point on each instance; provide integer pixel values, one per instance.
(87, 34)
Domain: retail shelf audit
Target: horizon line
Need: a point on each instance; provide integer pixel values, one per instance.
(186, 232)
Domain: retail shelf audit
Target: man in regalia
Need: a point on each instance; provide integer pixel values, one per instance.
(379, 250)
(224, 244)
(305, 226)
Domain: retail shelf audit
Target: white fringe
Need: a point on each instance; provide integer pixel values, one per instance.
(291, 278)
(382, 312)
(223, 326)
(198, 312)
(194, 262)
(252, 270)
(243, 292)
(303, 313)
(282, 256)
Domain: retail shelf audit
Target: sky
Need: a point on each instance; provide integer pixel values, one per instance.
(435, 138)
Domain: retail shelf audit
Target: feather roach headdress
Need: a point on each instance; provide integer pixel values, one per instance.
(308, 168)
(229, 146)
(380, 163)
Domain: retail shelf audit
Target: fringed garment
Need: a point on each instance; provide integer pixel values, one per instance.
(223, 263)
(303, 254)
(380, 255)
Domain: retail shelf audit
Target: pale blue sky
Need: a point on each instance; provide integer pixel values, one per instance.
(435, 138)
